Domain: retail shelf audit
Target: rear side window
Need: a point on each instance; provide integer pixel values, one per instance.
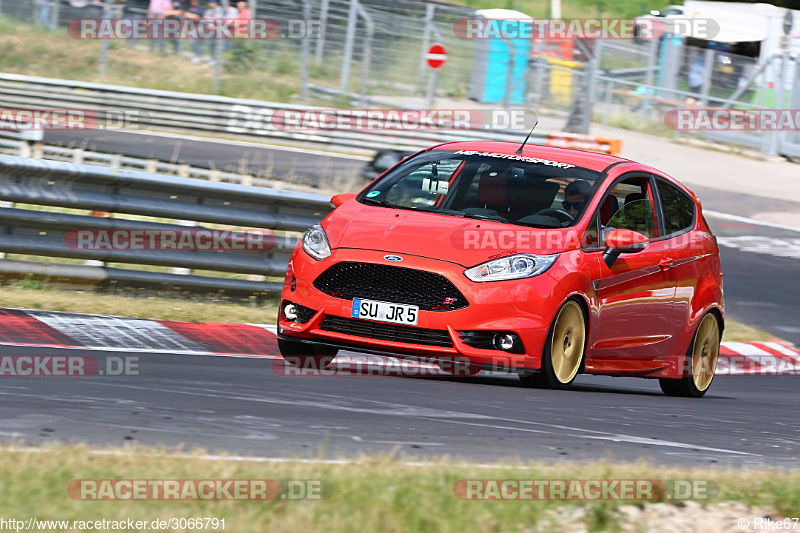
(678, 208)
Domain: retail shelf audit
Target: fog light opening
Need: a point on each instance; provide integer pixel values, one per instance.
(504, 341)
(290, 312)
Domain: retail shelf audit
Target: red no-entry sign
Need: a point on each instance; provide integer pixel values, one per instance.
(436, 56)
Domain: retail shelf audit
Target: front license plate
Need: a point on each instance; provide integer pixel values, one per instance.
(385, 312)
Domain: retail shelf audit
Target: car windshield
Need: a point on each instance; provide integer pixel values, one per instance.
(506, 188)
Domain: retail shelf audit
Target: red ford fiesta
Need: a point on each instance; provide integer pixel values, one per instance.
(542, 261)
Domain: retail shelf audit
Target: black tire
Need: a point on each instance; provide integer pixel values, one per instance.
(305, 355)
(548, 377)
(686, 387)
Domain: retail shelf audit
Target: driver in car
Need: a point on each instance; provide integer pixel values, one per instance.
(575, 196)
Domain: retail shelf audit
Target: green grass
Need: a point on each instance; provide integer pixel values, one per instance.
(370, 494)
(33, 51)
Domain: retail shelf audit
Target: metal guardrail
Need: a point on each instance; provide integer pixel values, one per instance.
(231, 116)
(13, 143)
(85, 187)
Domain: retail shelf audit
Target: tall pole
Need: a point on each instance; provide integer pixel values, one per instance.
(352, 19)
(555, 9)
(105, 45)
(218, 45)
(426, 41)
(306, 49)
(323, 23)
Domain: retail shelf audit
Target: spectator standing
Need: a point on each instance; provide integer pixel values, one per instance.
(175, 13)
(697, 74)
(243, 18)
(44, 7)
(158, 10)
(215, 11)
(195, 14)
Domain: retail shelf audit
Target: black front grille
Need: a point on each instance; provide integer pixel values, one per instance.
(428, 290)
(386, 332)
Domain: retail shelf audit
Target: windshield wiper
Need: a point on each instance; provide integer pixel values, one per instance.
(490, 218)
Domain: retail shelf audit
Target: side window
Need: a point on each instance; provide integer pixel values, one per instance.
(636, 215)
(628, 206)
(678, 208)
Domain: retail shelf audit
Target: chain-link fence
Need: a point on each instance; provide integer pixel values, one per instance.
(373, 48)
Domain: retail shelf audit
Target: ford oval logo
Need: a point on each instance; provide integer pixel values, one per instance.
(392, 257)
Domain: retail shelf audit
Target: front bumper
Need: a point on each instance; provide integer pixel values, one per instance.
(525, 307)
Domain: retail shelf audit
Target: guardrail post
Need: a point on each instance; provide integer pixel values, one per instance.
(4, 204)
(25, 148)
(180, 270)
(77, 155)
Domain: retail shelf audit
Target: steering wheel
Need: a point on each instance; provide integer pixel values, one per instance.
(559, 214)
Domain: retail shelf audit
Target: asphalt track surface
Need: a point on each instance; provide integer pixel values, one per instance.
(242, 406)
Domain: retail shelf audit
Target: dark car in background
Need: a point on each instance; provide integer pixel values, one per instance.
(383, 161)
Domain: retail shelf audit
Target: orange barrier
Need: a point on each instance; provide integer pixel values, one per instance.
(590, 143)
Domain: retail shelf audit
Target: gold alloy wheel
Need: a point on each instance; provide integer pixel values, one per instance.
(566, 345)
(705, 352)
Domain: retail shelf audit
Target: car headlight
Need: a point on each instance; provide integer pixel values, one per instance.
(315, 243)
(511, 267)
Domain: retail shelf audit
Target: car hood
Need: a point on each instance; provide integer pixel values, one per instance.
(463, 241)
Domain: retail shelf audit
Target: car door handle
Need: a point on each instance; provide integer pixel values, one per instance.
(665, 263)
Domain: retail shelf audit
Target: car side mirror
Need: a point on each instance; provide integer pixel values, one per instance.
(623, 241)
(339, 199)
